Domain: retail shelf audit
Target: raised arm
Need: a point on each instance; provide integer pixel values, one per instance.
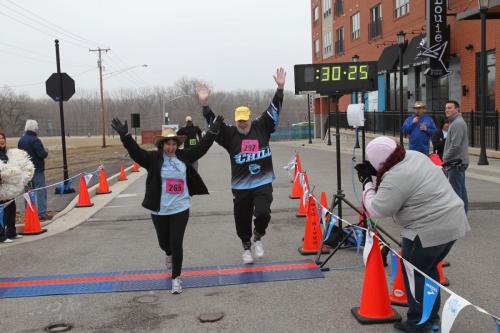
(203, 95)
(138, 154)
(270, 118)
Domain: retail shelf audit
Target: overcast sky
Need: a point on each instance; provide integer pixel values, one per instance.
(233, 44)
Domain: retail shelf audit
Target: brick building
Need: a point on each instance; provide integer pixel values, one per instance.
(368, 28)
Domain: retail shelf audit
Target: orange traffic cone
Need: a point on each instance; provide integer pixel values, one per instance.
(375, 303)
(323, 200)
(83, 195)
(302, 211)
(442, 279)
(298, 166)
(31, 220)
(122, 176)
(398, 295)
(103, 183)
(135, 167)
(296, 188)
(312, 232)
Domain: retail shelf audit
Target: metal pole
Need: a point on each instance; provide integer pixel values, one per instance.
(401, 93)
(340, 194)
(309, 115)
(61, 115)
(329, 125)
(483, 159)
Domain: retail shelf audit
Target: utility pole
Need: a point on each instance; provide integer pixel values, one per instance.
(99, 63)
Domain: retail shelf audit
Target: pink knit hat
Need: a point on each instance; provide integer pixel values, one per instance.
(378, 150)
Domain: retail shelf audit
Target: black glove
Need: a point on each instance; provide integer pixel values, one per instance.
(217, 124)
(119, 127)
(365, 172)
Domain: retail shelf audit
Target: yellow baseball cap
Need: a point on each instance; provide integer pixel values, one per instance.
(242, 113)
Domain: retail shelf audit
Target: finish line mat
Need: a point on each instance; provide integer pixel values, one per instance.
(107, 282)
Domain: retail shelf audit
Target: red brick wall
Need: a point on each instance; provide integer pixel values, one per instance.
(462, 33)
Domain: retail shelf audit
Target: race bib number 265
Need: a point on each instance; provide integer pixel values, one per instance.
(174, 186)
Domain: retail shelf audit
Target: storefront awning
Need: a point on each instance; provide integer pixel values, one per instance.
(388, 58)
(410, 56)
(493, 12)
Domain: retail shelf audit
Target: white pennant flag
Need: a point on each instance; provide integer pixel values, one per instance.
(87, 177)
(450, 311)
(28, 199)
(410, 273)
(305, 197)
(301, 179)
(324, 214)
(368, 246)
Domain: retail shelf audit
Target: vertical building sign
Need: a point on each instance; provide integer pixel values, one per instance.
(437, 38)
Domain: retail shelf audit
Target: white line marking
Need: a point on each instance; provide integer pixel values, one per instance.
(127, 195)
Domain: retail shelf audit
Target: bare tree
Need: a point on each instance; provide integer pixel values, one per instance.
(13, 112)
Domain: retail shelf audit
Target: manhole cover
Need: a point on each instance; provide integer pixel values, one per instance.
(211, 317)
(61, 327)
(146, 299)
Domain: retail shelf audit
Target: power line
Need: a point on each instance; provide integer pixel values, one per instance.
(41, 31)
(126, 65)
(53, 24)
(43, 82)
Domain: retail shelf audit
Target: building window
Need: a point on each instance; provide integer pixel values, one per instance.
(375, 25)
(339, 43)
(316, 48)
(316, 16)
(327, 44)
(491, 79)
(401, 7)
(355, 26)
(338, 7)
(327, 7)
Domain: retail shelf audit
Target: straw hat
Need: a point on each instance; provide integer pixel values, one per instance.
(166, 134)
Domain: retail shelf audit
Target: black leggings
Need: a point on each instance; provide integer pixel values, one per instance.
(9, 222)
(170, 231)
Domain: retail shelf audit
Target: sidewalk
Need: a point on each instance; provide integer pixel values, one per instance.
(489, 173)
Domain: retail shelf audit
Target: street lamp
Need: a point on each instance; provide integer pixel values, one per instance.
(483, 9)
(401, 42)
(164, 120)
(355, 58)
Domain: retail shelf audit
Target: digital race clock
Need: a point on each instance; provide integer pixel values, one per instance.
(334, 79)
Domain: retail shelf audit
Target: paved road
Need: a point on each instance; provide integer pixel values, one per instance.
(121, 237)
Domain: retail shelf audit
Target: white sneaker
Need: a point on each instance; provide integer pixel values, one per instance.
(247, 257)
(259, 249)
(8, 240)
(176, 285)
(168, 262)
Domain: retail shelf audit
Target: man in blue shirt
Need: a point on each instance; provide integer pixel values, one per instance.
(419, 128)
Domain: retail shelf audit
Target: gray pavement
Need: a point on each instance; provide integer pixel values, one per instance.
(120, 237)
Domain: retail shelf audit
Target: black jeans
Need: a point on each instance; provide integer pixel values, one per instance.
(9, 222)
(425, 259)
(253, 202)
(170, 231)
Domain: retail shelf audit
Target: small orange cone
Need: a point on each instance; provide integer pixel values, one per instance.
(31, 221)
(296, 188)
(375, 303)
(122, 176)
(323, 201)
(298, 166)
(442, 279)
(398, 295)
(103, 183)
(312, 232)
(135, 167)
(302, 210)
(83, 195)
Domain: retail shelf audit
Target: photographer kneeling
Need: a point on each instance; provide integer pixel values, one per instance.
(417, 194)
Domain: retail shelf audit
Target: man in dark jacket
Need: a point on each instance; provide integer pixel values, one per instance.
(439, 138)
(31, 143)
(252, 171)
(192, 134)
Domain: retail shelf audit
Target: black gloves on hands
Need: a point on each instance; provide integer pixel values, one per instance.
(365, 172)
(216, 124)
(119, 127)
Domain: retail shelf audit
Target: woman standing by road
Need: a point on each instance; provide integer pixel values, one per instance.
(170, 182)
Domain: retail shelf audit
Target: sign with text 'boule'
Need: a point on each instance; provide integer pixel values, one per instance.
(53, 87)
(437, 38)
